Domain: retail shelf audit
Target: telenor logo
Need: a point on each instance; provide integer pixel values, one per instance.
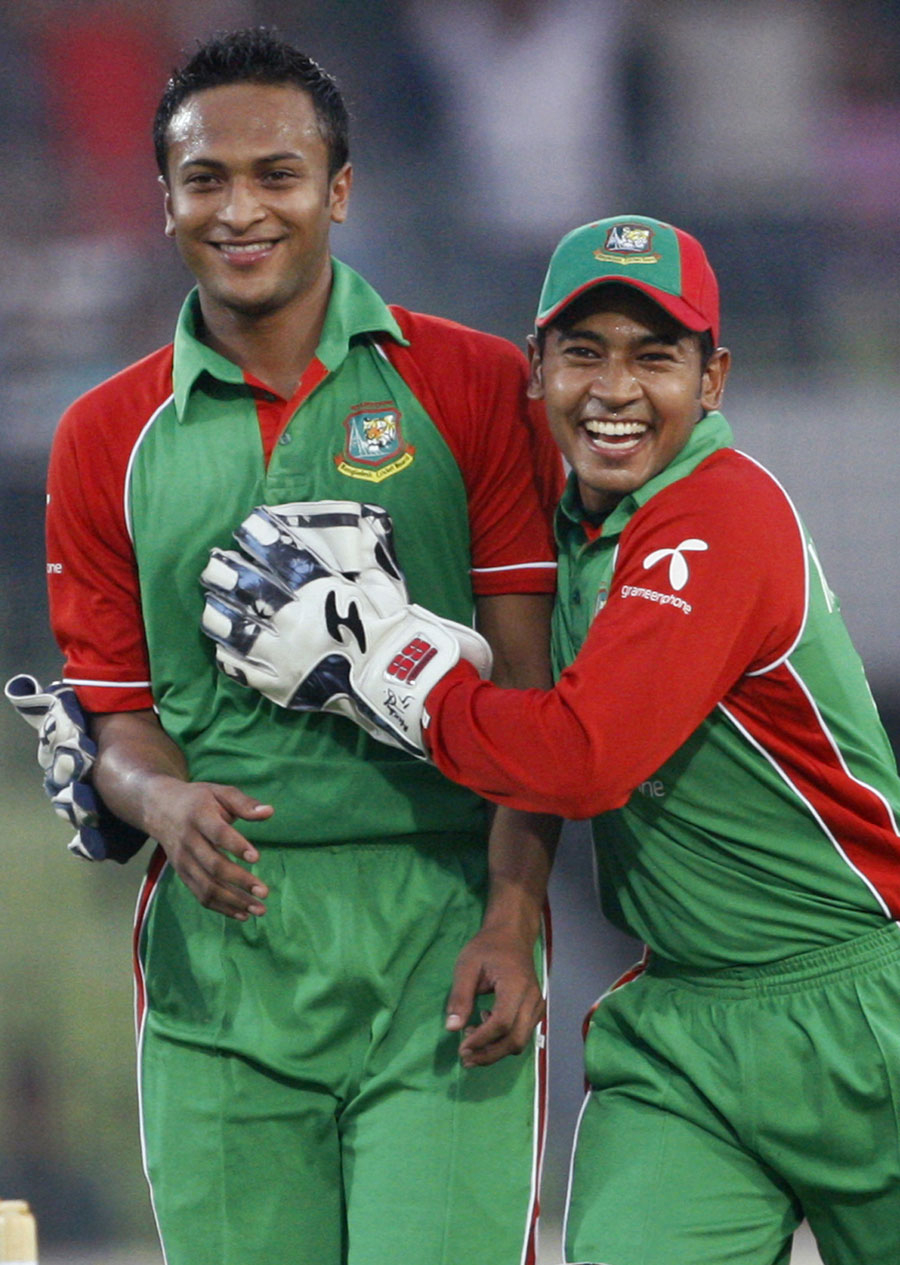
(678, 568)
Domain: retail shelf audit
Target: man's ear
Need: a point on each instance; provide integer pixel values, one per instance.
(712, 384)
(535, 369)
(339, 193)
(167, 207)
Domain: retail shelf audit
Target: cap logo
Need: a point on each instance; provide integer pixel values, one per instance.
(628, 244)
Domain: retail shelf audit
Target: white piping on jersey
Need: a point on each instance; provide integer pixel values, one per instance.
(826, 591)
(635, 971)
(770, 667)
(836, 749)
(565, 1223)
(140, 1028)
(112, 685)
(539, 1134)
(806, 803)
(516, 566)
(373, 342)
(131, 459)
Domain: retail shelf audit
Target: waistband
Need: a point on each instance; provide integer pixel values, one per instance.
(423, 841)
(846, 958)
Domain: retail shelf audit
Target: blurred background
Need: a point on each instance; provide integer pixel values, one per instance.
(482, 131)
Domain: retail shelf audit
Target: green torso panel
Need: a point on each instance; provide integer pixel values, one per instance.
(771, 829)
(199, 470)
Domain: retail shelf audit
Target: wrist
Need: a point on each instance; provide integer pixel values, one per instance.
(513, 909)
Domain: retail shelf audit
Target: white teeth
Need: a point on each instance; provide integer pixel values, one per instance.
(597, 427)
(247, 248)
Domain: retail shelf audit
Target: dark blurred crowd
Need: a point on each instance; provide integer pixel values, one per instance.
(482, 130)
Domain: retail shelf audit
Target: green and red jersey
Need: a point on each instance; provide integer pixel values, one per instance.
(158, 464)
(710, 713)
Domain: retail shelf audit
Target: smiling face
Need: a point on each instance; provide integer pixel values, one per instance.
(248, 198)
(623, 385)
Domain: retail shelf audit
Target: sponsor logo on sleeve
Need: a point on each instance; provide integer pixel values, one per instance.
(678, 574)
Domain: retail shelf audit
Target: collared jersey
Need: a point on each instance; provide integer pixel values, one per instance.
(162, 462)
(710, 713)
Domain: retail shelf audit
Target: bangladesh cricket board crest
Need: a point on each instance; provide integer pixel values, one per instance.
(628, 244)
(374, 447)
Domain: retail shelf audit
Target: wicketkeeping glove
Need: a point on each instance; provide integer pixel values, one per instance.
(348, 538)
(311, 640)
(66, 754)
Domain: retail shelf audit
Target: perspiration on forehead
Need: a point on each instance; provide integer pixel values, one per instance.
(611, 295)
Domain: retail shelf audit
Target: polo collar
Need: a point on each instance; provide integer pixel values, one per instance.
(354, 311)
(710, 434)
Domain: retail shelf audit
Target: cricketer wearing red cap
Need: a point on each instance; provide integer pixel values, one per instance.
(712, 717)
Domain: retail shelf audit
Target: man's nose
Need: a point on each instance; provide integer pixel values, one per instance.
(241, 206)
(614, 382)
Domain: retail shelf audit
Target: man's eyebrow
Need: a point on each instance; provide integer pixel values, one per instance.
(287, 155)
(576, 333)
(215, 164)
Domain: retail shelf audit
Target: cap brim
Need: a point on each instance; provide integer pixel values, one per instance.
(671, 303)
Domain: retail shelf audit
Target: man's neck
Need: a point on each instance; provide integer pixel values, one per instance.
(274, 347)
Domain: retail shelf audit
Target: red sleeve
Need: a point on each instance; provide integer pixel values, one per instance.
(95, 606)
(651, 669)
(473, 386)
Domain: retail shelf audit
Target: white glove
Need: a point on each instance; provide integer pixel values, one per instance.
(67, 755)
(348, 538)
(328, 646)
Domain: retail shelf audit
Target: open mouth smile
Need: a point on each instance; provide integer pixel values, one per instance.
(611, 436)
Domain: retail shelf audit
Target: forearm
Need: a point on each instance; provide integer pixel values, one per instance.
(143, 777)
(521, 851)
(136, 761)
(522, 844)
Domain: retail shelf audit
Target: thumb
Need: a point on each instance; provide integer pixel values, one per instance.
(461, 1001)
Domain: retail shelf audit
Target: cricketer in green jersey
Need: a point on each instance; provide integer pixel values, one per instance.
(321, 914)
(712, 716)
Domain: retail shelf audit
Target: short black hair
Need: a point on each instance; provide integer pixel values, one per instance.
(255, 55)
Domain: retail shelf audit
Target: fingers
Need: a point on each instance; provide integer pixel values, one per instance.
(216, 882)
(202, 841)
(488, 964)
(269, 542)
(240, 582)
(27, 697)
(461, 1001)
(233, 628)
(503, 1031)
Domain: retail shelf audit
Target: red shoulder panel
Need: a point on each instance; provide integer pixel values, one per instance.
(473, 386)
(95, 608)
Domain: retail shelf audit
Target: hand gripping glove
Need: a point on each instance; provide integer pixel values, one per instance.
(348, 538)
(67, 755)
(329, 647)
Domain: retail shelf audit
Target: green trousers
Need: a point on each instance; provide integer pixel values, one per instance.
(725, 1106)
(301, 1101)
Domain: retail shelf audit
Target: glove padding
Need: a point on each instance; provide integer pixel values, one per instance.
(327, 644)
(349, 538)
(66, 754)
